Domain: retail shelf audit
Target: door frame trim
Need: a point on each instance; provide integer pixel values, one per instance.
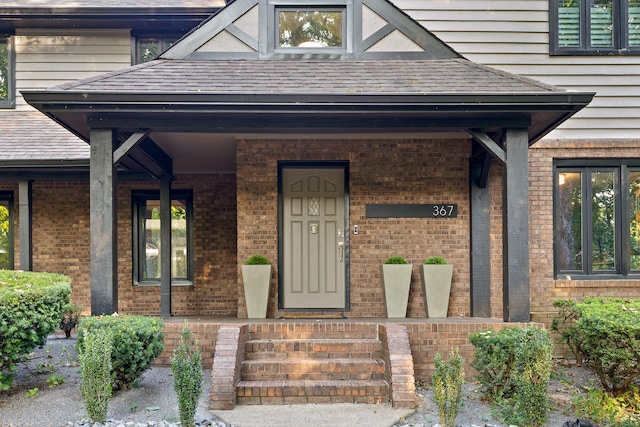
(286, 164)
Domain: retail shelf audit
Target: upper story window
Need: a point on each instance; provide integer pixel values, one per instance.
(297, 28)
(310, 27)
(597, 219)
(148, 48)
(7, 97)
(603, 27)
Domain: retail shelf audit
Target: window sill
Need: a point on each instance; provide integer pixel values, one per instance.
(153, 283)
(598, 282)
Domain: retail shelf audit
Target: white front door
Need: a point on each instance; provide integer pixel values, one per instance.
(313, 238)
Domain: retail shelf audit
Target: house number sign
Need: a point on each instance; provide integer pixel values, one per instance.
(428, 210)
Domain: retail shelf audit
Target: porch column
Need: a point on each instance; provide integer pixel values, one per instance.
(480, 236)
(25, 220)
(515, 232)
(165, 245)
(104, 255)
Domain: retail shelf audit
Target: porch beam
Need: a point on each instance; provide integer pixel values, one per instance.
(289, 121)
(515, 230)
(165, 247)
(489, 145)
(131, 142)
(102, 187)
(25, 209)
(480, 235)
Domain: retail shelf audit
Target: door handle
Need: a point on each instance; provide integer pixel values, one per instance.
(341, 251)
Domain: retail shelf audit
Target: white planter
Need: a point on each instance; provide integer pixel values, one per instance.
(256, 280)
(396, 279)
(436, 279)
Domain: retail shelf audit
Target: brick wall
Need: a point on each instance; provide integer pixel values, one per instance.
(380, 171)
(214, 223)
(60, 233)
(61, 244)
(544, 289)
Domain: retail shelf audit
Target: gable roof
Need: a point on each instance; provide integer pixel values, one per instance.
(225, 77)
(283, 77)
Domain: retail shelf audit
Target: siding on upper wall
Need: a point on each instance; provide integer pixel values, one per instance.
(514, 36)
(47, 58)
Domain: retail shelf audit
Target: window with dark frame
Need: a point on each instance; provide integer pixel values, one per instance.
(7, 92)
(146, 240)
(597, 219)
(605, 27)
(307, 27)
(6, 230)
(148, 48)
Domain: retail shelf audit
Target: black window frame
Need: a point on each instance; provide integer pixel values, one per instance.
(622, 246)
(7, 196)
(165, 41)
(138, 199)
(620, 31)
(10, 102)
(274, 6)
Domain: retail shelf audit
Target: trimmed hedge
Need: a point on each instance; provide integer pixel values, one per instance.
(514, 366)
(32, 305)
(604, 333)
(137, 343)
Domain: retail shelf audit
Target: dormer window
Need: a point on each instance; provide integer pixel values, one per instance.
(315, 28)
(309, 29)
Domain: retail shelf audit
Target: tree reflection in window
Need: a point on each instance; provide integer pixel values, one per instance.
(310, 28)
(5, 236)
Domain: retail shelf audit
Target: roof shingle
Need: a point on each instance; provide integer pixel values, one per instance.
(447, 76)
(30, 135)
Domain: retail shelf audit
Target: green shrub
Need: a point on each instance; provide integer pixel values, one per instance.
(566, 327)
(95, 365)
(514, 367)
(186, 365)
(396, 260)
(137, 342)
(257, 260)
(606, 333)
(602, 408)
(495, 361)
(448, 379)
(435, 260)
(32, 304)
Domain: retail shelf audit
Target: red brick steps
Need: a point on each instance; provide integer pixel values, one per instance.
(312, 369)
(312, 362)
(327, 391)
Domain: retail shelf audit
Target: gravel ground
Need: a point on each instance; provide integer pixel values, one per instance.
(31, 402)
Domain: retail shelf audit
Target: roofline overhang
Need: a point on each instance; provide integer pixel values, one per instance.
(112, 98)
(330, 112)
(102, 17)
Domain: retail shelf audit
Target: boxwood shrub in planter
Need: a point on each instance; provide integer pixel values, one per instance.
(137, 343)
(436, 276)
(256, 279)
(31, 308)
(396, 281)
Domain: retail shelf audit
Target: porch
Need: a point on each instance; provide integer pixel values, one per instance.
(359, 360)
